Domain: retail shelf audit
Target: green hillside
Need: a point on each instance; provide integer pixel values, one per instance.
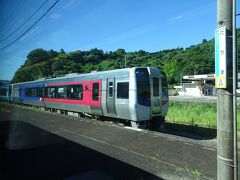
(196, 59)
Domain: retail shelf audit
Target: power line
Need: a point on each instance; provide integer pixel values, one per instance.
(17, 29)
(11, 14)
(29, 27)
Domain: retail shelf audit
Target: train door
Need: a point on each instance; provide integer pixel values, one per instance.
(156, 96)
(95, 87)
(111, 96)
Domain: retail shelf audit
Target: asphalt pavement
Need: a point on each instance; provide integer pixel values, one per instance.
(58, 146)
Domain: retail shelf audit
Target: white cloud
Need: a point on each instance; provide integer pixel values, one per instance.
(70, 3)
(176, 18)
(55, 16)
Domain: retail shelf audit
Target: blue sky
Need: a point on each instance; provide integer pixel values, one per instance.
(151, 25)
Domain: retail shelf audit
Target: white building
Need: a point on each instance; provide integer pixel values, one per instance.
(197, 85)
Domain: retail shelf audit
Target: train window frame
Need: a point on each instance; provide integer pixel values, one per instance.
(123, 90)
(15, 91)
(156, 85)
(33, 92)
(77, 94)
(143, 86)
(48, 90)
(110, 89)
(27, 92)
(61, 92)
(95, 91)
(40, 92)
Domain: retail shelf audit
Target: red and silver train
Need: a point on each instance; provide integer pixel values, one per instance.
(137, 95)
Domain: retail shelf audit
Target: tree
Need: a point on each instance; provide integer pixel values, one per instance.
(204, 41)
(52, 53)
(62, 66)
(119, 53)
(37, 55)
(141, 52)
(76, 56)
(62, 51)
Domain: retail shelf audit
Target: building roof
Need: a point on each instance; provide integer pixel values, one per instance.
(200, 77)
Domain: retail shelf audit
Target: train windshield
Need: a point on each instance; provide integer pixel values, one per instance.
(143, 86)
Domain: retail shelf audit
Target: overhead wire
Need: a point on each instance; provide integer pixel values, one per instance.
(4, 47)
(10, 17)
(18, 28)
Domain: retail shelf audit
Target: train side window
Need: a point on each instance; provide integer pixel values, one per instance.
(34, 92)
(50, 92)
(123, 90)
(75, 92)
(110, 89)
(15, 91)
(28, 92)
(31, 92)
(95, 92)
(61, 92)
(39, 92)
(155, 86)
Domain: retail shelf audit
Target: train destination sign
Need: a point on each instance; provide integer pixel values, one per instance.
(220, 58)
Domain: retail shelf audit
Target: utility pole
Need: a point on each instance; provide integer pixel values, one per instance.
(235, 85)
(226, 159)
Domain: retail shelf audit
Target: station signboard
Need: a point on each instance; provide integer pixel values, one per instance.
(220, 58)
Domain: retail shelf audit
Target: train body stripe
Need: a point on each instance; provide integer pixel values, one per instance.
(68, 101)
(87, 93)
(65, 83)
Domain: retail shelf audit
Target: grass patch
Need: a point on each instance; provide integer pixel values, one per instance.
(195, 114)
(195, 173)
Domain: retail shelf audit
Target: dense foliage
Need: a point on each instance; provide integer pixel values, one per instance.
(196, 59)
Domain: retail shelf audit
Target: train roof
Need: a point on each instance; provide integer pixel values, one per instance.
(75, 75)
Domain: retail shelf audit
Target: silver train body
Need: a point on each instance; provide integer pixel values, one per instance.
(137, 95)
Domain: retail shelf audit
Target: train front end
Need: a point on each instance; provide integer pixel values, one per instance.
(148, 91)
